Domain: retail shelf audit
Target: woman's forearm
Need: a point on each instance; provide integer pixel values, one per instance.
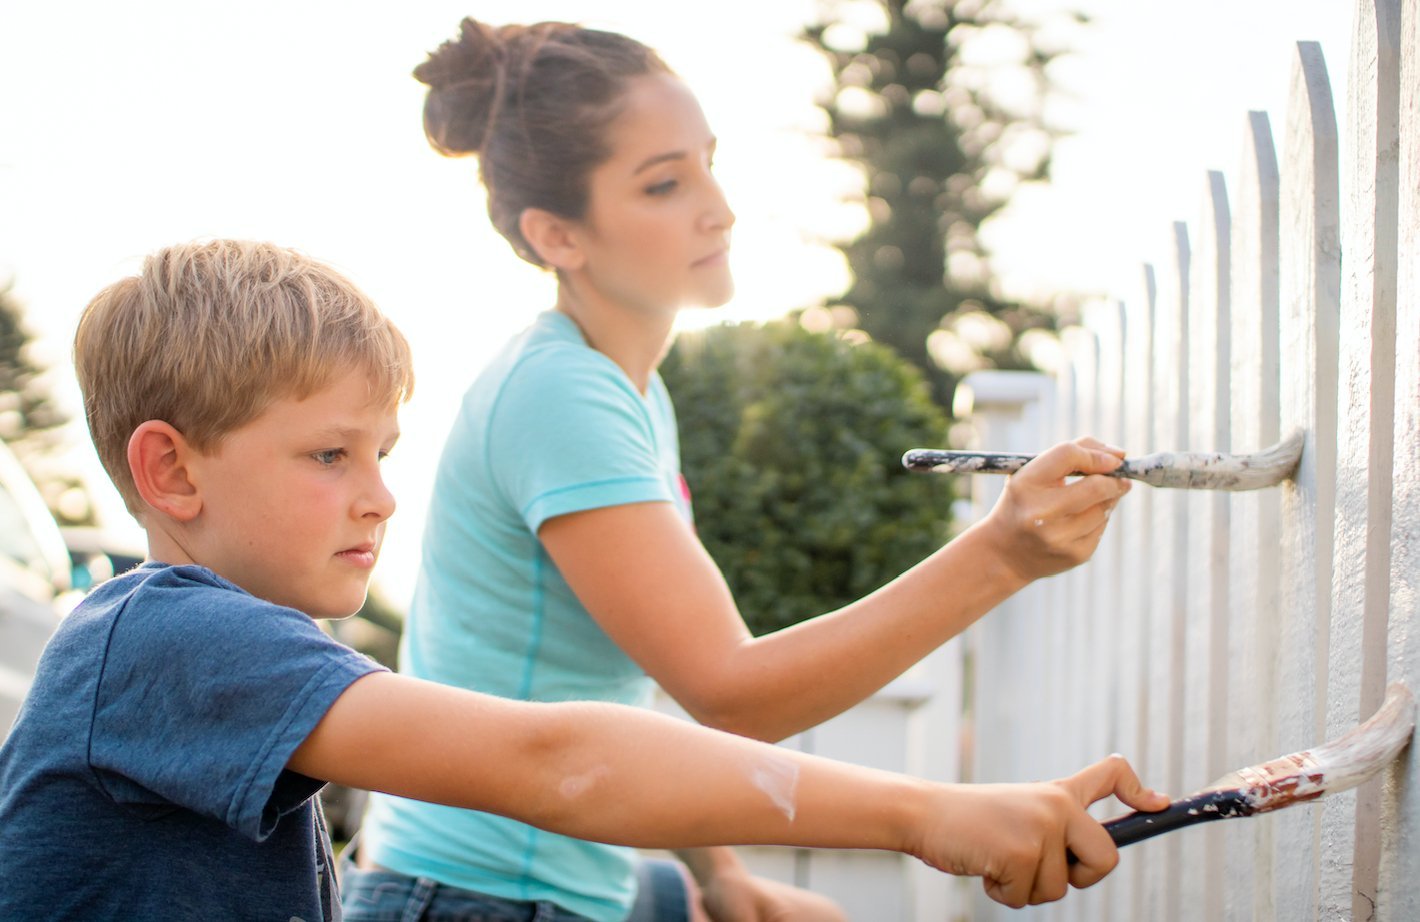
(778, 684)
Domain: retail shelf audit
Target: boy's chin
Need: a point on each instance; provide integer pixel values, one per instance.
(337, 610)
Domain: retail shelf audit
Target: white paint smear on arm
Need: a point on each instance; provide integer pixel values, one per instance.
(779, 778)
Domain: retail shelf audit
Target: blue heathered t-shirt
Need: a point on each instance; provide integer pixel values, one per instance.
(145, 775)
(550, 427)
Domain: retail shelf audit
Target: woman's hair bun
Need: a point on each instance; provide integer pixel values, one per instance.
(465, 77)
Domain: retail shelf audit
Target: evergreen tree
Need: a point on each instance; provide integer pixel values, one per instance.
(31, 420)
(29, 416)
(942, 105)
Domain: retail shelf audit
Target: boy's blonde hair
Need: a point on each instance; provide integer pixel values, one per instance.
(209, 334)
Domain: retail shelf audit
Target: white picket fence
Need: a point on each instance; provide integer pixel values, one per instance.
(1216, 630)
(1211, 630)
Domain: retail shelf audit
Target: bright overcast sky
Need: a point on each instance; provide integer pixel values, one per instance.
(126, 126)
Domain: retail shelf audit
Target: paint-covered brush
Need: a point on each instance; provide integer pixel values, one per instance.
(1301, 777)
(1186, 470)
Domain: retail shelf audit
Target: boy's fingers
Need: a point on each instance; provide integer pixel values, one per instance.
(1012, 892)
(1094, 850)
(1089, 840)
(1116, 776)
(1052, 877)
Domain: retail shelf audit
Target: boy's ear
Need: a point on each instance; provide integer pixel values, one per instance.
(553, 238)
(159, 458)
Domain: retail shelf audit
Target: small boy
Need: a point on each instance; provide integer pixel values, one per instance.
(183, 717)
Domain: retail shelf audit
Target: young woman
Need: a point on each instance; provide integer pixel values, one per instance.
(559, 560)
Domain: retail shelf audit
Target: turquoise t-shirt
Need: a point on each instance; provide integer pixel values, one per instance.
(550, 427)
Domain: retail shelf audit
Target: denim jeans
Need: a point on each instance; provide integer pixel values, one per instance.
(384, 896)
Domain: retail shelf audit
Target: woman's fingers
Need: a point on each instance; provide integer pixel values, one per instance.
(1082, 456)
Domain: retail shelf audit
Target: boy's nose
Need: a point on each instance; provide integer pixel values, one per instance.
(377, 501)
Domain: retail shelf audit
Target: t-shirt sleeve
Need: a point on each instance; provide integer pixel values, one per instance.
(204, 695)
(570, 433)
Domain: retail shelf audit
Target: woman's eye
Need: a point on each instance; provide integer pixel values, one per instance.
(662, 188)
(329, 456)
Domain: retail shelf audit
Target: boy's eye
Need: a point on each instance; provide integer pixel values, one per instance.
(329, 455)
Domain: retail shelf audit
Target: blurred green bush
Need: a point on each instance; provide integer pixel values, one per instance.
(791, 442)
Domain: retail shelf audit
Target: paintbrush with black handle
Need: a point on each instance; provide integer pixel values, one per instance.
(1302, 777)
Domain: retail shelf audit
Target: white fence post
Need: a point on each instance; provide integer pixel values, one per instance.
(1205, 629)
(1254, 525)
(1398, 896)
(1170, 577)
(1135, 519)
(1350, 836)
(1309, 283)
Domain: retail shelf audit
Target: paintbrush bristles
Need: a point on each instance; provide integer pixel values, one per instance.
(1199, 471)
(1338, 765)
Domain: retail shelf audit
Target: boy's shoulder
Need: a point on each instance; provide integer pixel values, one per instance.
(159, 634)
(170, 694)
(174, 598)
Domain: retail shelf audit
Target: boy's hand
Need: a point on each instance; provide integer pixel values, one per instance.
(1015, 836)
(1043, 525)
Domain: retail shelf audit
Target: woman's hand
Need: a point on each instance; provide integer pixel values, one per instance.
(746, 898)
(1015, 837)
(1042, 524)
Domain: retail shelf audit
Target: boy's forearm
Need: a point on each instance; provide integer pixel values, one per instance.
(639, 778)
(616, 774)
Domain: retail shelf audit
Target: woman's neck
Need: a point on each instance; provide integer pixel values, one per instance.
(635, 340)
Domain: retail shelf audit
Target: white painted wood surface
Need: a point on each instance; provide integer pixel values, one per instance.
(1168, 557)
(1266, 622)
(1309, 294)
(1350, 836)
(1254, 523)
(1206, 614)
(1398, 896)
(1210, 631)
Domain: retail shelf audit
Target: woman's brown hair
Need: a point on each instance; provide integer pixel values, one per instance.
(533, 102)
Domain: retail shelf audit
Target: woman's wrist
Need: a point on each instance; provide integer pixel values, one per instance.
(997, 562)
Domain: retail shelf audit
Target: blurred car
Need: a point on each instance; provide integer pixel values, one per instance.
(35, 587)
(97, 554)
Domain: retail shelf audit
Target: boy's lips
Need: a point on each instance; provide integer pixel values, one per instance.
(362, 555)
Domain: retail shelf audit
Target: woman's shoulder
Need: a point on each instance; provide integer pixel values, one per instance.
(552, 357)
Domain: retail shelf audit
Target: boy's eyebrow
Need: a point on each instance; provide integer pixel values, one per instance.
(343, 433)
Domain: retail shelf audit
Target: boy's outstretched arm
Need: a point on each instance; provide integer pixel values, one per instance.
(633, 777)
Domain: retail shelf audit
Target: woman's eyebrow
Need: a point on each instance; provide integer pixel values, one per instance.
(658, 158)
(670, 155)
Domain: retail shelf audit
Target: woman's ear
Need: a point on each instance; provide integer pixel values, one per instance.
(553, 238)
(159, 457)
